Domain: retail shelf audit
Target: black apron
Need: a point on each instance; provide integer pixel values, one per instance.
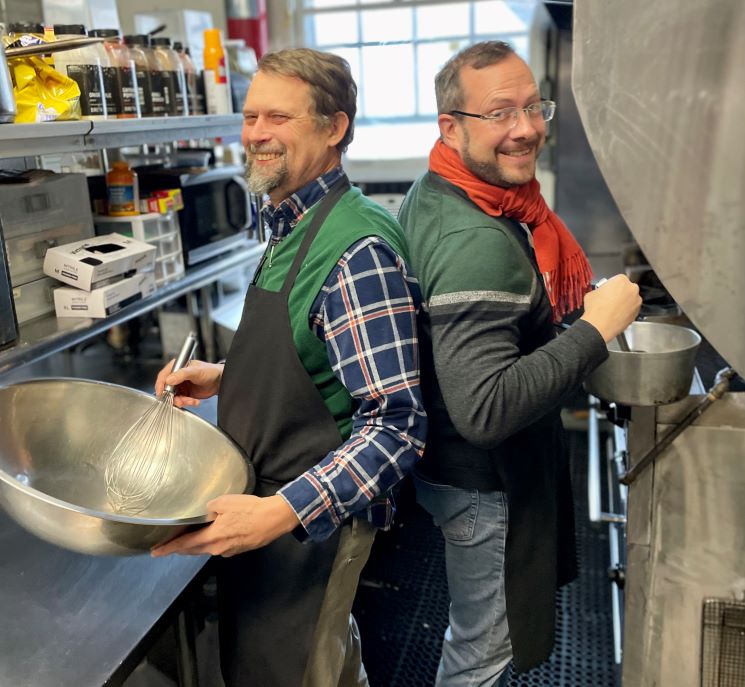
(269, 599)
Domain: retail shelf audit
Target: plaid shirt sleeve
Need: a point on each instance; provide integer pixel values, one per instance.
(366, 315)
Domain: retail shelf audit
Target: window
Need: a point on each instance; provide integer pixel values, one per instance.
(395, 48)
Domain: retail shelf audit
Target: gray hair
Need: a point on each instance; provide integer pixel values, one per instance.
(332, 87)
(448, 88)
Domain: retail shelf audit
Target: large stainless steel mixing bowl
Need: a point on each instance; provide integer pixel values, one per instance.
(55, 437)
(657, 370)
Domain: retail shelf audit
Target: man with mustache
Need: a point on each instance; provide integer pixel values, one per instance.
(497, 269)
(320, 388)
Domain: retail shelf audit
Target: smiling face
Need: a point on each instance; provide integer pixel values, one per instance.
(492, 151)
(286, 144)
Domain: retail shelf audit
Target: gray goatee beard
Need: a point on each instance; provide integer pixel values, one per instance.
(261, 182)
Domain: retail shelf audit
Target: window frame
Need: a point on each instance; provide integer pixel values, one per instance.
(308, 13)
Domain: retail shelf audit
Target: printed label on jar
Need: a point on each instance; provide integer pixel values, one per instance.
(127, 80)
(112, 90)
(200, 107)
(159, 103)
(122, 200)
(88, 79)
(169, 92)
(182, 95)
(144, 88)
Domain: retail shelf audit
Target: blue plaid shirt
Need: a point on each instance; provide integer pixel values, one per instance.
(366, 315)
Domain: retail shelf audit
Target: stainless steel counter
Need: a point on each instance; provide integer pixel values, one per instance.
(70, 620)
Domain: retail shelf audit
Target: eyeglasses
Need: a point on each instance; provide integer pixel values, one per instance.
(509, 115)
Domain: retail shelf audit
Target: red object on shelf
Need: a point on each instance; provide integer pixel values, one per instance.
(255, 31)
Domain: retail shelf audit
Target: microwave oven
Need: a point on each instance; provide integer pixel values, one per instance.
(217, 213)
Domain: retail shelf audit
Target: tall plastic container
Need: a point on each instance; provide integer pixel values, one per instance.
(137, 44)
(83, 65)
(190, 78)
(172, 71)
(216, 77)
(201, 105)
(112, 87)
(121, 76)
(122, 190)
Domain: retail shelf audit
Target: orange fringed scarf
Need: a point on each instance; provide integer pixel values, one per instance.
(562, 262)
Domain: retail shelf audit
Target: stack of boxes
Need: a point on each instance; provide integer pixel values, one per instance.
(105, 273)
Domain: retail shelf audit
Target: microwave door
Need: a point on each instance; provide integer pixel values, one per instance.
(214, 217)
(238, 204)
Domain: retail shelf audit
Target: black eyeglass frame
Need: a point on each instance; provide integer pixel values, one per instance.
(511, 110)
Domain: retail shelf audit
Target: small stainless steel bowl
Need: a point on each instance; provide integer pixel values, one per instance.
(55, 437)
(657, 370)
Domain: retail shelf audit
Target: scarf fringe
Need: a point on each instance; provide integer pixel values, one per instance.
(572, 277)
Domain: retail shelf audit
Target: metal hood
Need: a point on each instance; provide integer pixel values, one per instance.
(660, 88)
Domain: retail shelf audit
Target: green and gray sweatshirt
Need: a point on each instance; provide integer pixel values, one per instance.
(493, 375)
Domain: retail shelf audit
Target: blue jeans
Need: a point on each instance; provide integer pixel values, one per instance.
(476, 649)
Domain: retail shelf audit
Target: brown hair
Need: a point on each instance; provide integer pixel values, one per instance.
(448, 88)
(332, 87)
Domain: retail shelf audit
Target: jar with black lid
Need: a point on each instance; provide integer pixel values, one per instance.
(172, 70)
(144, 63)
(120, 78)
(84, 66)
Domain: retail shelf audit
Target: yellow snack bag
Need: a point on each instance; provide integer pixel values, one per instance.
(43, 94)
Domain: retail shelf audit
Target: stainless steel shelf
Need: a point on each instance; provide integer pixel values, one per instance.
(28, 140)
(47, 335)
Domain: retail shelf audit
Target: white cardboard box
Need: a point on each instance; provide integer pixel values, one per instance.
(104, 301)
(84, 263)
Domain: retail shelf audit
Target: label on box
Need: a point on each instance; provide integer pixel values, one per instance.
(86, 264)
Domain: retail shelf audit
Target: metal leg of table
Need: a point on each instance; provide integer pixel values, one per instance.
(200, 309)
(205, 322)
(186, 648)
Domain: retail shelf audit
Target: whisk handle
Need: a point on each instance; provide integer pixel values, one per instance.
(183, 358)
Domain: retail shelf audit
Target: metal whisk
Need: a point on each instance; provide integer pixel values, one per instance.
(137, 467)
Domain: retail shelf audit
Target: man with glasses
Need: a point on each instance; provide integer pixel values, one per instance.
(497, 269)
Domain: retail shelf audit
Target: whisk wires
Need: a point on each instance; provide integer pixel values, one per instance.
(137, 468)
(139, 462)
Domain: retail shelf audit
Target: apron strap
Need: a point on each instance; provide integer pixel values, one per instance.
(323, 211)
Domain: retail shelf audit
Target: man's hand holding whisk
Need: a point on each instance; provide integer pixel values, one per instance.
(199, 380)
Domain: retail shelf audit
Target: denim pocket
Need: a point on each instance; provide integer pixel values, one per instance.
(453, 510)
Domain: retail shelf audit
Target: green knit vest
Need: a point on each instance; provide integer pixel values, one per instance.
(353, 218)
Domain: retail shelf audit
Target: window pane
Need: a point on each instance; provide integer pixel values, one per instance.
(388, 77)
(393, 141)
(322, 4)
(333, 28)
(438, 21)
(385, 26)
(496, 16)
(432, 56)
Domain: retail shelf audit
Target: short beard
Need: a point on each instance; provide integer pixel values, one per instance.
(490, 172)
(260, 182)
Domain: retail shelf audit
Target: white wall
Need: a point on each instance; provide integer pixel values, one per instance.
(128, 8)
